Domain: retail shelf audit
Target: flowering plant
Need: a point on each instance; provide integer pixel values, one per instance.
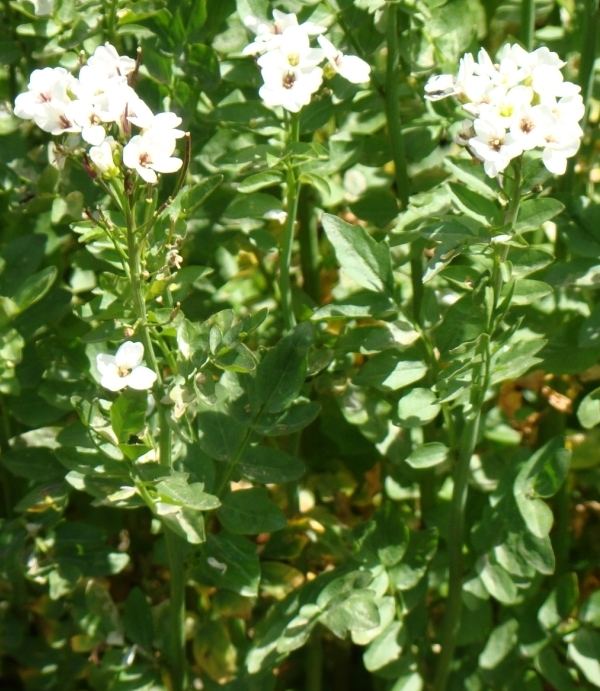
(298, 360)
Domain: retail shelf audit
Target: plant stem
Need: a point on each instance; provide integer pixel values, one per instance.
(455, 546)
(292, 194)
(177, 657)
(394, 123)
(309, 244)
(591, 16)
(176, 610)
(527, 23)
(314, 661)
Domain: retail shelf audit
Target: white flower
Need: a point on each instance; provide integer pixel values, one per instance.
(269, 36)
(145, 119)
(125, 369)
(440, 86)
(350, 67)
(505, 105)
(110, 62)
(174, 259)
(90, 120)
(56, 117)
(493, 146)
(547, 81)
(45, 86)
(102, 158)
(42, 8)
(559, 145)
(291, 88)
(151, 153)
(294, 51)
(530, 126)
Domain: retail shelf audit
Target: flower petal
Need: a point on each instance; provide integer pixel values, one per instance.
(141, 378)
(130, 355)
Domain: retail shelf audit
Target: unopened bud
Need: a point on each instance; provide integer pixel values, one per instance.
(128, 332)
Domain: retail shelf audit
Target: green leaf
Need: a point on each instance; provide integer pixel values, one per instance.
(541, 476)
(219, 435)
(377, 206)
(34, 288)
(185, 522)
(300, 414)
(417, 408)
(390, 370)
(589, 333)
(254, 205)
(527, 291)
(590, 610)
(550, 667)
(253, 183)
(475, 205)
(354, 612)
(267, 465)
(281, 373)
(428, 455)
(230, 561)
(498, 582)
(362, 304)
(385, 537)
(249, 512)
(588, 412)
(386, 648)
(421, 549)
(128, 413)
(177, 490)
(366, 261)
(534, 212)
(584, 650)
(502, 640)
(137, 619)
(33, 463)
(561, 602)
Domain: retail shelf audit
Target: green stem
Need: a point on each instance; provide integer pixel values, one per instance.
(394, 123)
(392, 107)
(111, 21)
(527, 23)
(314, 661)
(176, 610)
(453, 612)
(177, 657)
(309, 245)
(292, 194)
(591, 16)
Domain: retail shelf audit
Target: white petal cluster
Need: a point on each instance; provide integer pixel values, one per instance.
(518, 104)
(100, 103)
(290, 67)
(125, 369)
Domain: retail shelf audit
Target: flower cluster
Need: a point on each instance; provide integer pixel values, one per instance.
(98, 101)
(290, 67)
(520, 103)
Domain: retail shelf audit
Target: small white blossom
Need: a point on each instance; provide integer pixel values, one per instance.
(292, 88)
(294, 52)
(174, 259)
(56, 117)
(530, 126)
(48, 85)
(494, 147)
(151, 153)
(350, 67)
(440, 86)
(269, 35)
(110, 62)
(125, 369)
(145, 119)
(103, 159)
